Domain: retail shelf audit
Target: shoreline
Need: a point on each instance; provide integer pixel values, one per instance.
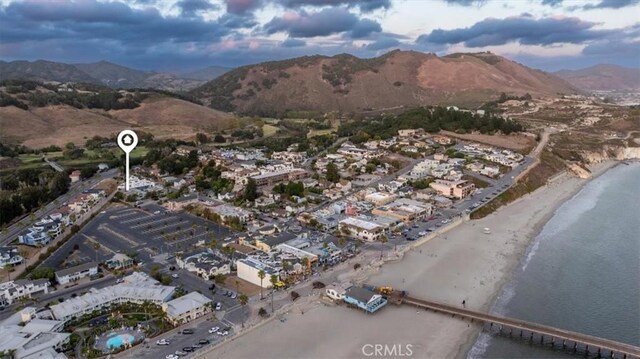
(461, 263)
(597, 170)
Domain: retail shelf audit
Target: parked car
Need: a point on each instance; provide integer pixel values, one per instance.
(187, 349)
(196, 346)
(218, 306)
(163, 342)
(180, 353)
(233, 295)
(203, 341)
(174, 275)
(223, 333)
(187, 331)
(214, 330)
(171, 356)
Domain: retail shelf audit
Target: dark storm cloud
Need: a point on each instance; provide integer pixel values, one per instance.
(191, 7)
(35, 20)
(242, 7)
(523, 29)
(552, 2)
(383, 43)
(322, 23)
(364, 5)
(232, 21)
(293, 43)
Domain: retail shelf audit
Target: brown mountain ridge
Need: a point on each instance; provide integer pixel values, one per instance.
(349, 84)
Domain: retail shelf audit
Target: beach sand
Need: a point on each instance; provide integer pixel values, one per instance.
(462, 264)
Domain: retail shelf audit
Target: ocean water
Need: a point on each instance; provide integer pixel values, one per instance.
(581, 273)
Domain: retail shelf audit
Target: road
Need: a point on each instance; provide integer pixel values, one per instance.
(17, 228)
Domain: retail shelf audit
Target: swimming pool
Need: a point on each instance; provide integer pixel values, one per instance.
(119, 340)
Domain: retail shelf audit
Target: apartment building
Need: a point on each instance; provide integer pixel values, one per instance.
(21, 288)
(361, 229)
(72, 274)
(453, 189)
(187, 308)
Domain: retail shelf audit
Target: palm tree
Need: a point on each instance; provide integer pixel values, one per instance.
(261, 275)
(273, 279)
(237, 286)
(243, 301)
(305, 262)
(213, 244)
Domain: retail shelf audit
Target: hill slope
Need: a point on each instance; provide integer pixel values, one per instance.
(105, 73)
(603, 77)
(40, 115)
(398, 78)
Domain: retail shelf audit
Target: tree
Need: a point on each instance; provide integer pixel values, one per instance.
(243, 301)
(219, 139)
(332, 173)
(261, 275)
(251, 190)
(273, 279)
(202, 138)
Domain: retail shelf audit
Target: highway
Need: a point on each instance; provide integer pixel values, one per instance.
(15, 229)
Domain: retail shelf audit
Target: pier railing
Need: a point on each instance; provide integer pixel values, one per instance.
(566, 338)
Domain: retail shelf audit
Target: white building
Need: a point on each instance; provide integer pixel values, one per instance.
(21, 288)
(29, 337)
(361, 229)
(68, 275)
(136, 288)
(379, 198)
(204, 264)
(9, 256)
(248, 269)
(187, 308)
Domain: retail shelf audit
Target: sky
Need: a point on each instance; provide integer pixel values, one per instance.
(184, 35)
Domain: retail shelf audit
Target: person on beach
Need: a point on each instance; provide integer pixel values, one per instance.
(464, 302)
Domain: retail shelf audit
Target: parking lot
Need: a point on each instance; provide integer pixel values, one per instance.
(147, 231)
(180, 342)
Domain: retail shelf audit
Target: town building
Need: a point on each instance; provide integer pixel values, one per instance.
(187, 308)
(72, 274)
(21, 288)
(379, 198)
(248, 269)
(27, 337)
(119, 261)
(364, 299)
(453, 189)
(204, 264)
(361, 229)
(135, 288)
(9, 256)
(334, 292)
(75, 176)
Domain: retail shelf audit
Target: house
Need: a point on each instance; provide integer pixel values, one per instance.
(21, 288)
(379, 198)
(249, 268)
(361, 229)
(68, 275)
(9, 256)
(204, 264)
(453, 189)
(268, 243)
(119, 261)
(364, 299)
(75, 176)
(187, 308)
(334, 292)
(227, 212)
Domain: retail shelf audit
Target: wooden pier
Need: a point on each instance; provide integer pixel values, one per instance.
(560, 338)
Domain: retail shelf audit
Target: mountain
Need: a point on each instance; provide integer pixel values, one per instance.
(603, 77)
(206, 74)
(350, 84)
(103, 73)
(42, 71)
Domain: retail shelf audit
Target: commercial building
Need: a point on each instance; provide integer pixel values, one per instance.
(119, 261)
(405, 209)
(453, 189)
(72, 274)
(380, 198)
(364, 299)
(28, 337)
(271, 178)
(187, 308)
(248, 269)
(21, 288)
(361, 229)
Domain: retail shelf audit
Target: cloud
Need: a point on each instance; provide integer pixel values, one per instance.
(382, 43)
(522, 29)
(364, 28)
(293, 43)
(191, 7)
(321, 23)
(232, 21)
(611, 4)
(551, 2)
(364, 5)
(242, 7)
(466, 2)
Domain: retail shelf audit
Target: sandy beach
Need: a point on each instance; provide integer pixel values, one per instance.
(463, 264)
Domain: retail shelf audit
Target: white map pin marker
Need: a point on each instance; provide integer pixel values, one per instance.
(127, 141)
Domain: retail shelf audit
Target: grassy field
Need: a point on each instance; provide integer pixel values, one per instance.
(269, 130)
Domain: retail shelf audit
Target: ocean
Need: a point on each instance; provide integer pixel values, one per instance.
(582, 271)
